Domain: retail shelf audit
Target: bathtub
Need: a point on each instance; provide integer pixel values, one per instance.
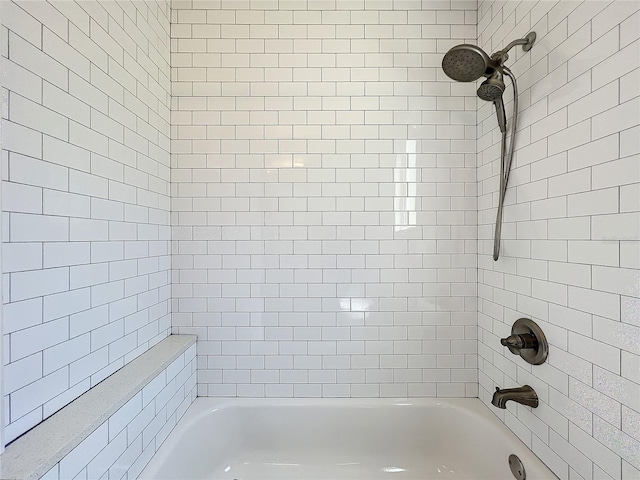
(247, 439)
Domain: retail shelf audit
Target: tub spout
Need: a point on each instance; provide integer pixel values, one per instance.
(524, 395)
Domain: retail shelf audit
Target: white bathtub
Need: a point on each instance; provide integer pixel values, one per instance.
(247, 439)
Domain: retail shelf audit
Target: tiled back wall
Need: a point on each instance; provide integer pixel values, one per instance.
(570, 251)
(324, 197)
(85, 163)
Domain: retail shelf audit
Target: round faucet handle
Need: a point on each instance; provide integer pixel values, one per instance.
(528, 341)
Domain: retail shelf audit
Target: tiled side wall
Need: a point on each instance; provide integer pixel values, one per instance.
(86, 98)
(122, 446)
(570, 250)
(324, 197)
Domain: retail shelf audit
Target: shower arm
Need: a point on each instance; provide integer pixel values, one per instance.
(505, 166)
(527, 42)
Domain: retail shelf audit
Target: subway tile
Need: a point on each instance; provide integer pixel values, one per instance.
(578, 228)
(601, 405)
(100, 464)
(628, 470)
(31, 396)
(612, 15)
(20, 80)
(74, 13)
(26, 228)
(594, 53)
(592, 301)
(629, 85)
(629, 255)
(32, 58)
(22, 198)
(594, 252)
(48, 334)
(629, 29)
(629, 143)
(600, 455)
(576, 414)
(22, 140)
(616, 119)
(23, 372)
(576, 459)
(49, 17)
(62, 110)
(65, 353)
(623, 226)
(618, 172)
(619, 280)
(621, 335)
(24, 423)
(32, 171)
(595, 202)
(601, 99)
(594, 153)
(58, 48)
(619, 388)
(77, 459)
(620, 442)
(574, 136)
(615, 66)
(565, 186)
(568, 183)
(17, 20)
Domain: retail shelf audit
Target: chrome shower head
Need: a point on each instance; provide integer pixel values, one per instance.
(465, 63)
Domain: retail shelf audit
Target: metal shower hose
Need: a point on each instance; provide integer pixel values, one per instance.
(505, 165)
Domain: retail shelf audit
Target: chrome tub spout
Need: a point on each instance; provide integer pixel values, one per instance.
(524, 395)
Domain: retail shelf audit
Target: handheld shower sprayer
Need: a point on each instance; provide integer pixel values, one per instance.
(491, 90)
(467, 63)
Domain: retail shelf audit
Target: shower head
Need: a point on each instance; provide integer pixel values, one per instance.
(489, 91)
(492, 88)
(465, 63)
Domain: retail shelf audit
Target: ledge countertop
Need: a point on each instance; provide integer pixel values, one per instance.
(37, 451)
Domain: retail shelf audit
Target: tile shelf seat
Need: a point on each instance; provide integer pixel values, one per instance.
(39, 450)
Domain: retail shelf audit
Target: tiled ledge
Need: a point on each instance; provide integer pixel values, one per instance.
(39, 450)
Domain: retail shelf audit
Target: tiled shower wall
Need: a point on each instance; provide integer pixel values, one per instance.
(324, 197)
(86, 97)
(570, 250)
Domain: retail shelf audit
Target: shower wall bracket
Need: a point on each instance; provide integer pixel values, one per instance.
(528, 341)
(530, 38)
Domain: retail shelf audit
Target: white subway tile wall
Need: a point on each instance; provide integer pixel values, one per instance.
(324, 197)
(124, 444)
(86, 223)
(332, 203)
(570, 247)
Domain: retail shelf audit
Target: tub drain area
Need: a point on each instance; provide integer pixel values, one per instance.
(517, 468)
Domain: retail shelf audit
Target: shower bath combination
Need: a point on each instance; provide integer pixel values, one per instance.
(467, 63)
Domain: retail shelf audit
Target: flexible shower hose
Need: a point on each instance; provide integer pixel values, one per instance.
(505, 165)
